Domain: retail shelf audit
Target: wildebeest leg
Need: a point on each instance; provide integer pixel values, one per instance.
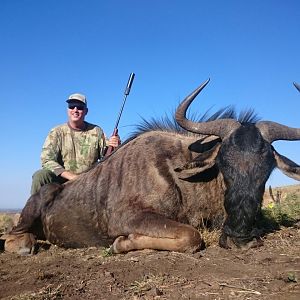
(153, 231)
(30, 213)
(21, 243)
(22, 238)
(30, 218)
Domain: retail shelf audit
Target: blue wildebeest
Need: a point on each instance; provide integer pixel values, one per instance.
(156, 189)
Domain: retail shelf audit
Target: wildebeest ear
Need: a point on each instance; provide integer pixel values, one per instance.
(204, 144)
(199, 164)
(287, 166)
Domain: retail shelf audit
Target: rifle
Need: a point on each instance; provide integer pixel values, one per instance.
(110, 149)
(297, 86)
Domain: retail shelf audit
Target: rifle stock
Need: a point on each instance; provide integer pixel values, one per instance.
(110, 149)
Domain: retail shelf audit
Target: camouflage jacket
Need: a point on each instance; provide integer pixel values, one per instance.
(66, 149)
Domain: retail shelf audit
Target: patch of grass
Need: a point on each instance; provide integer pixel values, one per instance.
(210, 231)
(46, 293)
(210, 236)
(6, 223)
(292, 205)
(292, 277)
(147, 283)
(106, 252)
(285, 214)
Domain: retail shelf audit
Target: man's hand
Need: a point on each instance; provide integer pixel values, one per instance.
(114, 141)
(68, 175)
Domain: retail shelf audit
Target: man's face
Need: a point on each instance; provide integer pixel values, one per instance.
(76, 111)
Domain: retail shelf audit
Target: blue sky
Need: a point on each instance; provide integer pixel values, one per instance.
(50, 49)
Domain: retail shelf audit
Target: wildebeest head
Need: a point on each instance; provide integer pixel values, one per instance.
(243, 154)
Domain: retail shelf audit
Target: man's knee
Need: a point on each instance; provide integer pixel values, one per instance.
(40, 178)
(44, 175)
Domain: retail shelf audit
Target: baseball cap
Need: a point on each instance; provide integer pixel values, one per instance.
(77, 97)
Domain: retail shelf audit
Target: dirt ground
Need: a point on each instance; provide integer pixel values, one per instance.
(269, 272)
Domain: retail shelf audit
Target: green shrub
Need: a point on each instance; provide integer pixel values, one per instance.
(286, 213)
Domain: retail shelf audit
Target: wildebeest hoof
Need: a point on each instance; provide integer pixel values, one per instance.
(115, 247)
(254, 243)
(22, 244)
(228, 242)
(223, 241)
(25, 251)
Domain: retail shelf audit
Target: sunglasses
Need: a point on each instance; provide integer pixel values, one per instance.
(79, 106)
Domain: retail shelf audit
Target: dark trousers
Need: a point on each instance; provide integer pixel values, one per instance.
(42, 177)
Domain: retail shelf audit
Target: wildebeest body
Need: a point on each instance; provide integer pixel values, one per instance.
(114, 198)
(157, 189)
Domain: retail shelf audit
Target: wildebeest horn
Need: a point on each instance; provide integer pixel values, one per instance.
(272, 131)
(221, 128)
(297, 86)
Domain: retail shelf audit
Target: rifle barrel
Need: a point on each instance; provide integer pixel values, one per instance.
(126, 93)
(110, 149)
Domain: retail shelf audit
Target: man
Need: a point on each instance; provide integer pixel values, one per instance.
(71, 148)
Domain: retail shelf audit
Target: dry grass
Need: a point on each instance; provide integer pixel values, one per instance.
(147, 283)
(46, 293)
(6, 223)
(210, 236)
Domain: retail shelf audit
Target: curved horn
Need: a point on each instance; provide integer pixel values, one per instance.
(221, 128)
(272, 131)
(297, 86)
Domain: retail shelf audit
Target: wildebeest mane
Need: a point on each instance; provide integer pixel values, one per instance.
(169, 124)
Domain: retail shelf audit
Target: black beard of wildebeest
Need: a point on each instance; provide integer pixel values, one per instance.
(246, 162)
(157, 188)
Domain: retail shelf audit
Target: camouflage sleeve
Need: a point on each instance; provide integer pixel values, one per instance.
(51, 152)
(103, 142)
